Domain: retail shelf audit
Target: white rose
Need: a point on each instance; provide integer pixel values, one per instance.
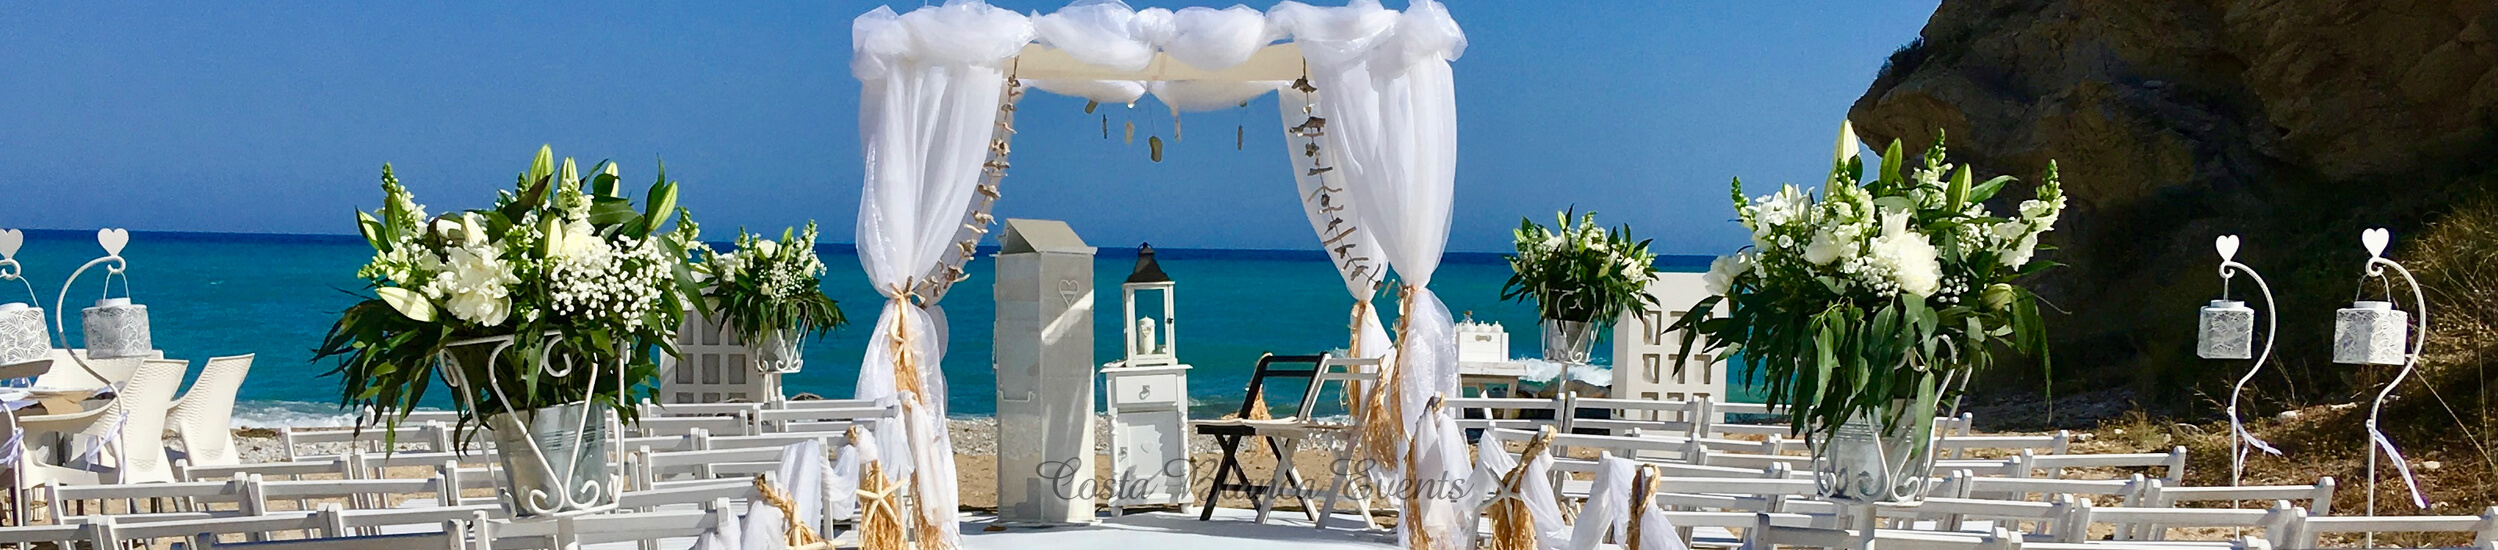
(582, 242)
(1908, 256)
(767, 247)
(1828, 247)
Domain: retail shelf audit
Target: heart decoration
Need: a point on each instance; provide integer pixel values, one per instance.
(2228, 247)
(10, 240)
(2375, 239)
(1067, 291)
(113, 240)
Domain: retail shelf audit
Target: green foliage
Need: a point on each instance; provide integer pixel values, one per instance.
(578, 279)
(1580, 272)
(1877, 299)
(765, 285)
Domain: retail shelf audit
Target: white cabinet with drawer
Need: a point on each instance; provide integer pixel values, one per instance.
(1148, 434)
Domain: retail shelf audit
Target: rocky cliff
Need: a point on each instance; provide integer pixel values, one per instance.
(2293, 122)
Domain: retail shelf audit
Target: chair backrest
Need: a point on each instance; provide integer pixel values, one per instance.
(1271, 372)
(2173, 461)
(300, 443)
(1347, 374)
(2305, 528)
(204, 416)
(140, 410)
(1662, 416)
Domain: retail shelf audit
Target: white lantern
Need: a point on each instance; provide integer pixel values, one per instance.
(117, 328)
(2370, 333)
(23, 337)
(2227, 331)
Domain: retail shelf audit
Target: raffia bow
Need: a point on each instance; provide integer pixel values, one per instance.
(1513, 528)
(798, 536)
(880, 511)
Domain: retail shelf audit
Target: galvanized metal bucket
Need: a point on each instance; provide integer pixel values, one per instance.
(555, 459)
(1569, 342)
(1864, 461)
(777, 351)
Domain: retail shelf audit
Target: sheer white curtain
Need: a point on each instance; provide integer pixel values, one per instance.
(930, 84)
(1341, 234)
(1391, 112)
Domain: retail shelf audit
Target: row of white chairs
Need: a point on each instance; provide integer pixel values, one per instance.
(676, 512)
(127, 405)
(1774, 507)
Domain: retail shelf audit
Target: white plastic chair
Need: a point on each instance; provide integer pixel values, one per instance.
(203, 419)
(134, 423)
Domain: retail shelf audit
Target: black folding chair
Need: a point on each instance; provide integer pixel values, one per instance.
(1229, 475)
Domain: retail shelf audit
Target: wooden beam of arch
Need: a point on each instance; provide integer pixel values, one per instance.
(1275, 62)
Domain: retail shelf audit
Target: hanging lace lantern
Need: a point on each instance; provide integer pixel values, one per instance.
(23, 337)
(2370, 333)
(117, 328)
(2227, 331)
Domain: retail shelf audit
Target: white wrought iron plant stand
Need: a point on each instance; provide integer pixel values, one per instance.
(2376, 240)
(540, 499)
(113, 240)
(2242, 441)
(1831, 474)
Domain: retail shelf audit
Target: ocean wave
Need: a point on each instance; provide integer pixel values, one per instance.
(298, 414)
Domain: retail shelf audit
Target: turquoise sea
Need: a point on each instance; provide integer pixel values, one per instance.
(212, 294)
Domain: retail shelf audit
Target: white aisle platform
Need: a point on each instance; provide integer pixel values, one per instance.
(1230, 529)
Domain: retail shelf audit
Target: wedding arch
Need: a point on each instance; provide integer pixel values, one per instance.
(1370, 118)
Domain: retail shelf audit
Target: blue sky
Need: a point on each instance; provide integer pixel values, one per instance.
(277, 116)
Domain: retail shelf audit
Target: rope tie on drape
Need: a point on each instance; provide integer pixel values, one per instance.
(797, 533)
(1643, 488)
(905, 363)
(1513, 528)
(1383, 422)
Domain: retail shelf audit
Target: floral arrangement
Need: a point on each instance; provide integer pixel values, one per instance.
(765, 286)
(566, 267)
(1881, 293)
(1581, 272)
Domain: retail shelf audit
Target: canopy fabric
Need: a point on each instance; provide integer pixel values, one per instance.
(930, 84)
(932, 81)
(1391, 112)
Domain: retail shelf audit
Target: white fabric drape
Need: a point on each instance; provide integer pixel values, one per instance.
(1110, 34)
(1535, 488)
(802, 478)
(1390, 104)
(1328, 203)
(930, 84)
(1608, 504)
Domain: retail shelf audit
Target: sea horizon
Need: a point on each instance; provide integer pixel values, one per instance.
(214, 293)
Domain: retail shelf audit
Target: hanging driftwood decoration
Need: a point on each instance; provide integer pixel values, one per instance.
(1175, 126)
(1155, 143)
(1131, 139)
(1105, 126)
(1240, 134)
(1089, 105)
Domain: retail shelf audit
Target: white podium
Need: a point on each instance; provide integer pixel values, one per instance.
(1044, 362)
